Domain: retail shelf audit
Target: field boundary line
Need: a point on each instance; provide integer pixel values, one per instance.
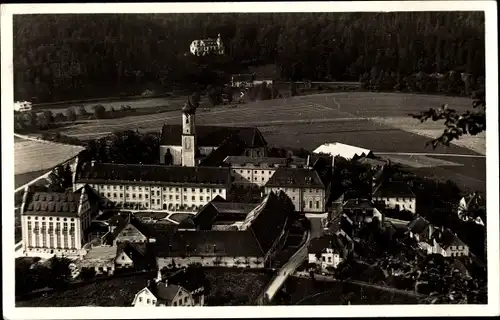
(429, 154)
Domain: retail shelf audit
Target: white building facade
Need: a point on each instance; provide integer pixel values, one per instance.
(53, 224)
(208, 46)
(164, 188)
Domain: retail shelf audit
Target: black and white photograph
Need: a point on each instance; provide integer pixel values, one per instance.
(260, 155)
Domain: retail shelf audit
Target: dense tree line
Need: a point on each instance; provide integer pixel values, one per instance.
(77, 56)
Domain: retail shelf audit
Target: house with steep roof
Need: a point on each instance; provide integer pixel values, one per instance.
(396, 195)
(174, 291)
(256, 171)
(56, 223)
(326, 252)
(420, 229)
(304, 187)
(154, 187)
(134, 255)
(216, 213)
(446, 243)
(254, 245)
(127, 229)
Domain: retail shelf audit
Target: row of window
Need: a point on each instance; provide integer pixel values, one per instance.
(50, 218)
(53, 242)
(165, 189)
(311, 190)
(170, 197)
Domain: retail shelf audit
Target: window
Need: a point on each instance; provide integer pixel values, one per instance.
(140, 195)
(185, 299)
(158, 192)
(154, 302)
(310, 204)
(220, 190)
(208, 198)
(127, 188)
(177, 197)
(293, 198)
(140, 299)
(114, 194)
(121, 195)
(317, 204)
(133, 196)
(185, 197)
(170, 197)
(177, 189)
(185, 189)
(201, 198)
(148, 301)
(146, 196)
(109, 194)
(192, 189)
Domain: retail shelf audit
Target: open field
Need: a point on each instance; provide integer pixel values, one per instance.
(32, 155)
(23, 178)
(377, 121)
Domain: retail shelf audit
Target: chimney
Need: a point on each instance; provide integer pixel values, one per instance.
(308, 163)
(215, 248)
(149, 283)
(158, 276)
(92, 163)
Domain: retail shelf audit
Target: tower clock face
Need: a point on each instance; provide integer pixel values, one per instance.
(187, 143)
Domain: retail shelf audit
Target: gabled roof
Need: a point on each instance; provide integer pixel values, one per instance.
(209, 243)
(319, 245)
(63, 204)
(295, 177)
(255, 241)
(121, 222)
(230, 146)
(343, 150)
(164, 293)
(135, 251)
(269, 224)
(146, 174)
(262, 161)
(219, 209)
(394, 189)
(214, 136)
(448, 238)
(418, 225)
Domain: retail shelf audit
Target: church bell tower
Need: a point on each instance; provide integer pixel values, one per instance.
(188, 135)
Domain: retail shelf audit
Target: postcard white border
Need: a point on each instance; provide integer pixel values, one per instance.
(272, 311)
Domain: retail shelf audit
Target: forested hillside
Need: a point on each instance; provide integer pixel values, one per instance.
(61, 57)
